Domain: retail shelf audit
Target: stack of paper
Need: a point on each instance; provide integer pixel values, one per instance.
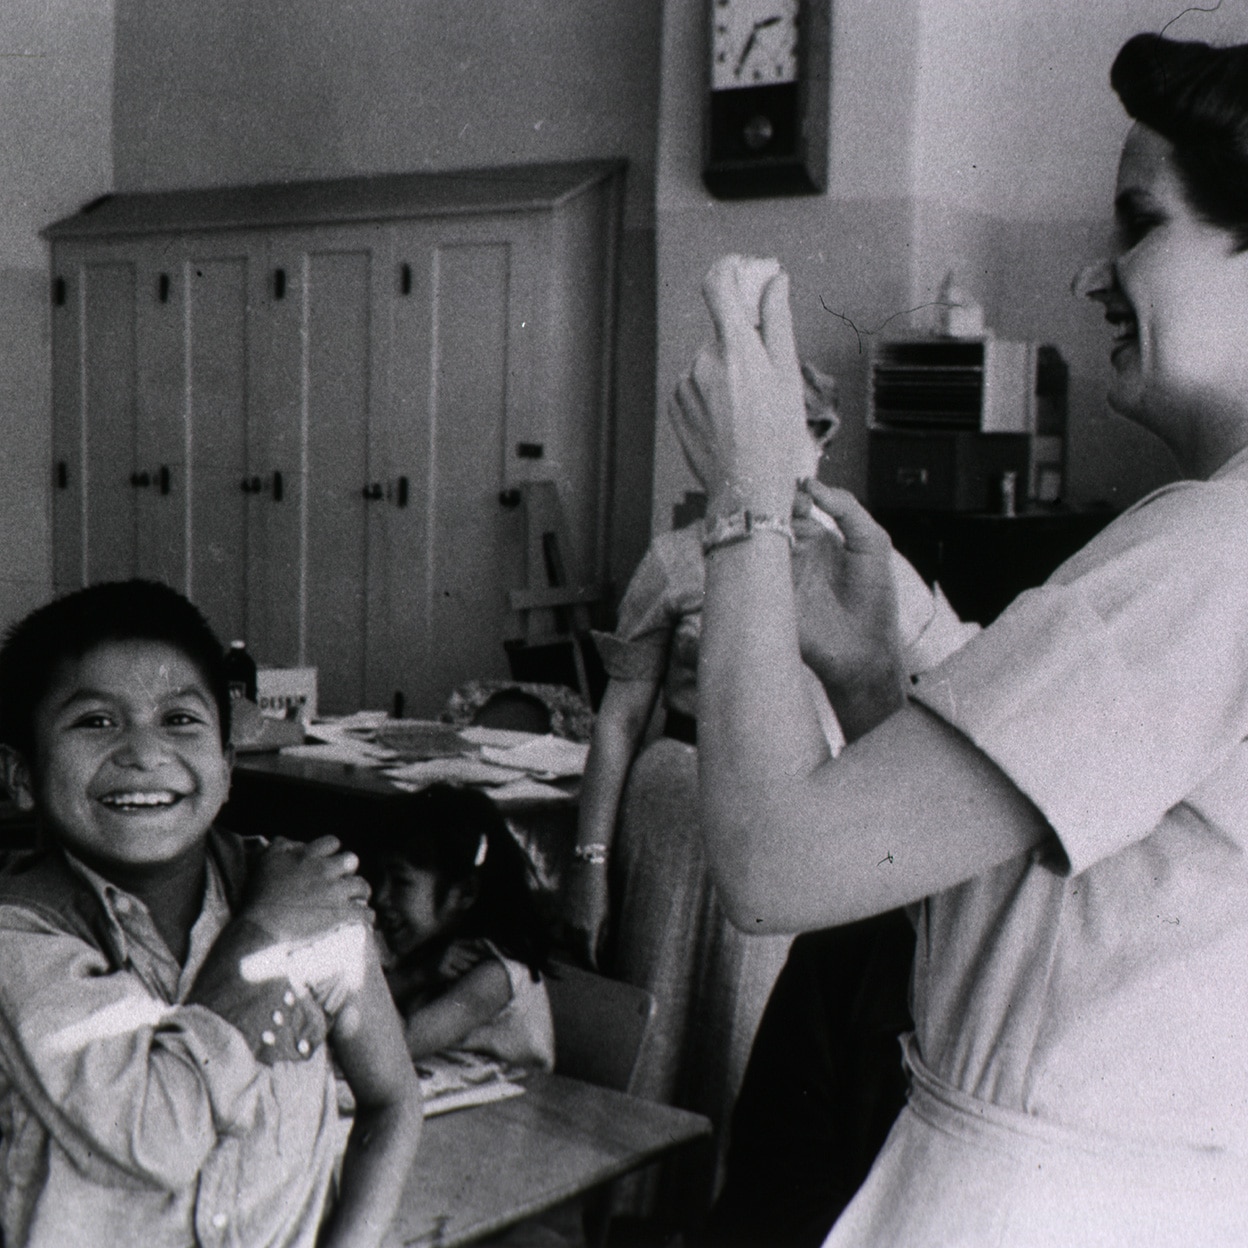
(548, 757)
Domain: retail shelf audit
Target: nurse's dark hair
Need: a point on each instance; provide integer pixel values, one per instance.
(1195, 95)
(71, 626)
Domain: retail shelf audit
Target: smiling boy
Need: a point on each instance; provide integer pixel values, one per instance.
(166, 1024)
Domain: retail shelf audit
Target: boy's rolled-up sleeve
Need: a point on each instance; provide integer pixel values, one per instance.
(127, 1084)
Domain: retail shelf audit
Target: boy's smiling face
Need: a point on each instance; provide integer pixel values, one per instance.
(129, 769)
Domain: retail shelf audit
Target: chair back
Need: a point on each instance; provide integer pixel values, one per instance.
(600, 1025)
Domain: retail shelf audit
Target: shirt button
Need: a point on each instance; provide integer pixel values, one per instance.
(278, 1017)
(289, 998)
(123, 905)
(267, 1037)
(220, 1221)
(303, 1046)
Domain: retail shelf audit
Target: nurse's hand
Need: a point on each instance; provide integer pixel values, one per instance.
(740, 414)
(846, 603)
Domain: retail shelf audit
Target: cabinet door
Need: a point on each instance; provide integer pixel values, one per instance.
(229, 481)
(94, 422)
(461, 367)
(325, 367)
(162, 502)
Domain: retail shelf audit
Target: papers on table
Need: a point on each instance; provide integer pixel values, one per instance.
(343, 740)
(503, 738)
(548, 756)
(456, 1080)
(462, 770)
(526, 790)
(417, 753)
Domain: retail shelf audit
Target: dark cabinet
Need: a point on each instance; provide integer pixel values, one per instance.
(984, 561)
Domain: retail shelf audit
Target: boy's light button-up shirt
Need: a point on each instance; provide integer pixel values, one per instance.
(127, 1116)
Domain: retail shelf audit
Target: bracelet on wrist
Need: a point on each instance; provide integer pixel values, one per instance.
(738, 526)
(594, 855)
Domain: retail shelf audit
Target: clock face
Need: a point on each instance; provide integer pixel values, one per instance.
(753, 43)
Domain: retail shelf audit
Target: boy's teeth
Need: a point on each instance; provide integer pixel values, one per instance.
(139, 799)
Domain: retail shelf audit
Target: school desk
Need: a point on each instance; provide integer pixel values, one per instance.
(482, 1169)
(302, 798)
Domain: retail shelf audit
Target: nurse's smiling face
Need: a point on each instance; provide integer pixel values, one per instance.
(1176, 292)
(129, 769)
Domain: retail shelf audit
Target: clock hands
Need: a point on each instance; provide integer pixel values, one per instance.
(762, 24)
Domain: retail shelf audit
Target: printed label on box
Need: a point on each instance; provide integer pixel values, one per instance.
(287, 692)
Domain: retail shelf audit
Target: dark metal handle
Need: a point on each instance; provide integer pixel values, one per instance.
(278, 487)
(164, 478)
(509, 498)
(279, 283)
(373, 492)
(162, 288)
(62, 475)
(400, 498)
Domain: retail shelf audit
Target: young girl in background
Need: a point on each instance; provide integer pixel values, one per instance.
(465, 941)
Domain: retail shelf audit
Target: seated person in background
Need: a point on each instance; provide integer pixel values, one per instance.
(171, 995)
(466, 943)
(639, 897)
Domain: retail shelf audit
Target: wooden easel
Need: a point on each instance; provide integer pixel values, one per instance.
(554, 606)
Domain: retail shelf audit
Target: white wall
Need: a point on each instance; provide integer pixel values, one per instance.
(844, 251)
(1017, 134)
(216, 92)
(56, 59)
(980, 135)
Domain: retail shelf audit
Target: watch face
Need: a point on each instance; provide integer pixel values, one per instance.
(753, 43)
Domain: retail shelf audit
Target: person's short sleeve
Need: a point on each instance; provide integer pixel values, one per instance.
(930, 628)
(638, 648)
(1108, 694)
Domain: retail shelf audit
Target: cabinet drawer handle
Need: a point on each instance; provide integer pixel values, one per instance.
(278, 487)
(910, 478)
(62, 475)
(509, 498)
(400, 498)
(164, 479)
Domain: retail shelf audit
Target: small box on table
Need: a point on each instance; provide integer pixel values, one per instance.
(287, 692)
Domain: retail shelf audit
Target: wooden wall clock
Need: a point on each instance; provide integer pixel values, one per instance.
(766, 127)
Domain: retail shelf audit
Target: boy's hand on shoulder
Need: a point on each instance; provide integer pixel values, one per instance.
(299, 891)
(460, 958)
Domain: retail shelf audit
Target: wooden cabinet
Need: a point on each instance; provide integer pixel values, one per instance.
(984, 561)
(308, 407)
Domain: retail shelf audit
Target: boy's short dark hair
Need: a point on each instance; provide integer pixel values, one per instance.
(71, 626)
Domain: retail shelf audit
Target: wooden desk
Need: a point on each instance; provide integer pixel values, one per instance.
(274, 794)
(301, 798)
(984, 561)
(482, 1169)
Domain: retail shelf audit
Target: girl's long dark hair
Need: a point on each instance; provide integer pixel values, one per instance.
(445, 829)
